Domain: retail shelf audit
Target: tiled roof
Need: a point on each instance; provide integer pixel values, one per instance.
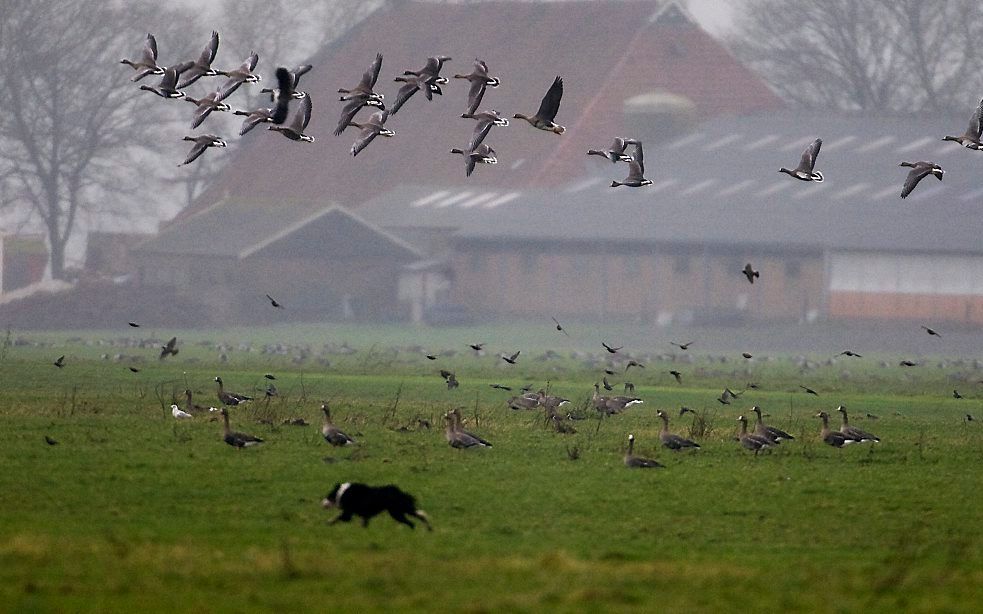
(720, 186)
(606, 51)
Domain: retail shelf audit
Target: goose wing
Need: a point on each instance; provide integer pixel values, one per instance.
(368, 133)
(199, 148)
(404, 94)
(551, 101)
(481, 130)
(150, 51)
(975, 129)
(169, 80)
(372, 74)
(480, 68)
(914, 176)
(203, 110)
(475, 95)
(348, 114)
(619, 146)
(255, 118)
(303, 116)
(250, 64)
(208, 53)
(808, 161)
(231, 85)
(638, 156)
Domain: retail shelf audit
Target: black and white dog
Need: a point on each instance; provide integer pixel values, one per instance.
(354, 499)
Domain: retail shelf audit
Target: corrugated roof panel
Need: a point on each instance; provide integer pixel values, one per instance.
(698, 187)
(456, 198)
(799, 145)
(893, 190)
(658, 186)
(775, 188)
(838, 143)
(689, 139)
(884, 141)
(768, 140)
(517, 164)
(737, 187)
(856, 188)
(477, 200)
(914, 145)
(724, 142)
(810, 190)
(583, 185)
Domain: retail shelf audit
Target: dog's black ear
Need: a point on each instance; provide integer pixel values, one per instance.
(334, 491)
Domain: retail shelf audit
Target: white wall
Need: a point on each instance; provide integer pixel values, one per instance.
(906, 274)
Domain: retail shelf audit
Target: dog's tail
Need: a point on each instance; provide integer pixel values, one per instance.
(423, 516)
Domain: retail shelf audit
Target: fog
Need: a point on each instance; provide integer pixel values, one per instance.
(721, 94)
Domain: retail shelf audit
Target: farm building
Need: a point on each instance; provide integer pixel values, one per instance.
(320, 260)
(23, 259)
(647, 54)
(845, 248)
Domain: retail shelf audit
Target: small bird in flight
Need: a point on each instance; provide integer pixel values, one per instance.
(677, 375)
(908, 363)
(809, 390)
(850, 353)
(476, 346)
(274, 302)
(682, 346)
(611, 349)
(270, 376)
(134, 324)
(134, 369)
(931, 331)
(52, 442)
(169, 349)
(560, 328)
(750, 273)
(956, 395)
(60, 362)
(633, 363)
(747, 355)
(511, 359)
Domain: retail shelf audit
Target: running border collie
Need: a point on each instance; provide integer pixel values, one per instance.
(356, 499)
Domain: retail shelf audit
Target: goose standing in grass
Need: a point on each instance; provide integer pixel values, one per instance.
(191, 407)
(202, 67)
(853, 432)
(832, 438)
(331, 433)
(167, 88)
(485, 121)
(971, 138)
(771, 433)
(179, 414)
(480, 81)
(805, 171)
(230, 398)
(295, 129)
(616, 153)
(612, 405)
(670, 440)
(636, 170)
(919, 170)
(458, 438)
(371, 128)
(524, 401)
(638, 462)
(147, 64)
(201, 143)
(543, 119)
(235, 439)
(364, 89)
(749, 441)
(204, 107)
(254, 118)
(239, 75)
(484, 154)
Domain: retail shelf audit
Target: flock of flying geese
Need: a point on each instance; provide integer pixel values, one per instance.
(427, 80)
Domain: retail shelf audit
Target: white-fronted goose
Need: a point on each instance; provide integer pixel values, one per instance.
(637, 462)
(201, 143)
(237, 76)
(524, 401)
(919, 170)
(636, 170)
(190, 406)
(364, 89)
(484, 154)
(235, 439)
(485, 121)
(291, 81)
(167, 88)
(330, 432)
(543, 119)
(612, 405)
(254, 118)
(413, 84)
(771, 433)
(459, 438)
(351, 109)
(750, 273)
(550, 401)
(832, 438)
(205, 106)
(479, 82)
(853, 432)
(805, 170)
(295, 129)
(971, 138)
(616, 153)
(749, 441)
(202, 67)
(230, 398)
(374, 126)
(670, 440)
(179, 414)
(431, 71)
(147, 64)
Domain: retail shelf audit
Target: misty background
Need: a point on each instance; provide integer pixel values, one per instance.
(83, 151)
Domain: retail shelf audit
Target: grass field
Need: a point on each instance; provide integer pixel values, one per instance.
(132, 509)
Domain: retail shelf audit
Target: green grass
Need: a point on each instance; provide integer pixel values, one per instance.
(133, 510)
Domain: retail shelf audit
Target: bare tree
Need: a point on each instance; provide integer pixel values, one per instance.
(872, 55)
(69, 130)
